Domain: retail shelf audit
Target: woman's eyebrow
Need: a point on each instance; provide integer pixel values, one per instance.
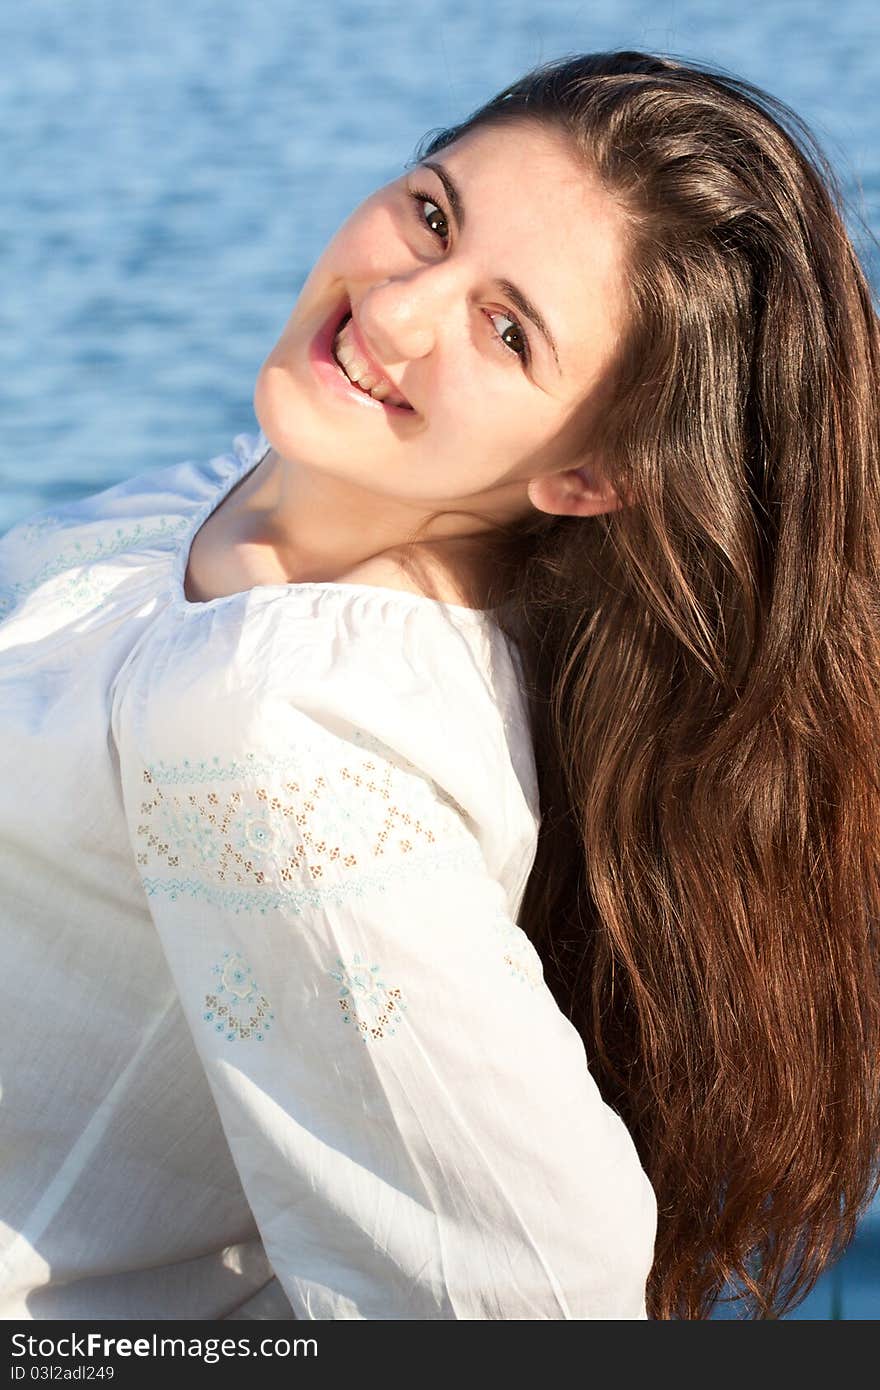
(520, 300)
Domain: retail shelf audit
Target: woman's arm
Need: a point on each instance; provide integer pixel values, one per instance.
(412, 1117)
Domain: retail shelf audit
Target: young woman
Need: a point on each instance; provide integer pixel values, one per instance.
(439, 838)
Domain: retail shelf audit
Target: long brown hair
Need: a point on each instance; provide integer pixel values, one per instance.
(703, 675)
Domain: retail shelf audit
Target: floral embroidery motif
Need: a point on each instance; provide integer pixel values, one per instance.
(237, 1008)
(518, 953)
(366, 1001)
(276, 838)
(87, 588)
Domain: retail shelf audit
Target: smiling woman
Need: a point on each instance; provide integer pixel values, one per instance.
(439, 834)
(494, 402)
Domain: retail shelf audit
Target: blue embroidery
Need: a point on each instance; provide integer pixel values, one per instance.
(254, 834)
(286, 838)
(271, 843)
(300, 898)
(82, 586)
(29, 531)
(181, 832)
(517, 952)
(355, 827)
(308, 752)
(164, 774)
(237, 1009)
(366, 1001)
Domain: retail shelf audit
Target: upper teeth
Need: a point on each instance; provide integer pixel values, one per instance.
(359, 371)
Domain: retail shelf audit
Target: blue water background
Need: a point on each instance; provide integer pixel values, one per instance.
(172, 168)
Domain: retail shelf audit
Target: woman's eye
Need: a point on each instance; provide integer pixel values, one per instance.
(420, 199)
(428, 213)
(523, 349)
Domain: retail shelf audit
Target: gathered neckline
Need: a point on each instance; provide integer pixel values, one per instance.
(344, 588)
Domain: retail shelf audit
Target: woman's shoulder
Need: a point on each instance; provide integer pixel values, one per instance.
(371, 642)
(309, 673)
(148, 511)
(438, 686)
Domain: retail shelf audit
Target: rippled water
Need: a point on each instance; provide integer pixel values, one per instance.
(172, 171)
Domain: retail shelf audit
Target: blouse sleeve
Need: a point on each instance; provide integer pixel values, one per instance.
(411, 1115)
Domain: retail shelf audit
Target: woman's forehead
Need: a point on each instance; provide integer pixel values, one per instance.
(535, 152)
(533, 200)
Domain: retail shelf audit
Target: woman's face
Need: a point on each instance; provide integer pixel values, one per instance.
(491, 393)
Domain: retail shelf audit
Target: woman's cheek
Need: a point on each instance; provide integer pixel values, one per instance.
(369, 246)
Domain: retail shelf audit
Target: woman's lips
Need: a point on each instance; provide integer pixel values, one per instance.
(329, 372)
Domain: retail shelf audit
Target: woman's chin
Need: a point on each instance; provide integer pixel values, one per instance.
(278, 399)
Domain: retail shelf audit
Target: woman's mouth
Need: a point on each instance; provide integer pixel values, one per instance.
(349, 374)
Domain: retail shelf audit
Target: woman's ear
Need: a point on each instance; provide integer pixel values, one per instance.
(574, 492)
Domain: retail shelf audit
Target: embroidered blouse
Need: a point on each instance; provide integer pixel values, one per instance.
(274, 1044)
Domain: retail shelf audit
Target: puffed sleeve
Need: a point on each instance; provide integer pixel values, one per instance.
(412, 1117)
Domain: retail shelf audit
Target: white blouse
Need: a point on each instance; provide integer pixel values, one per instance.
(273, 1042)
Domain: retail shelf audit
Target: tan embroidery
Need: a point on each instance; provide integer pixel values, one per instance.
(283, 832)
(394, 813)
(518, 953)
(238, 1009)
(366, 1001)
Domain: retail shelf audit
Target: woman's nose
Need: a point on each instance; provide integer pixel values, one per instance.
(401, 315)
